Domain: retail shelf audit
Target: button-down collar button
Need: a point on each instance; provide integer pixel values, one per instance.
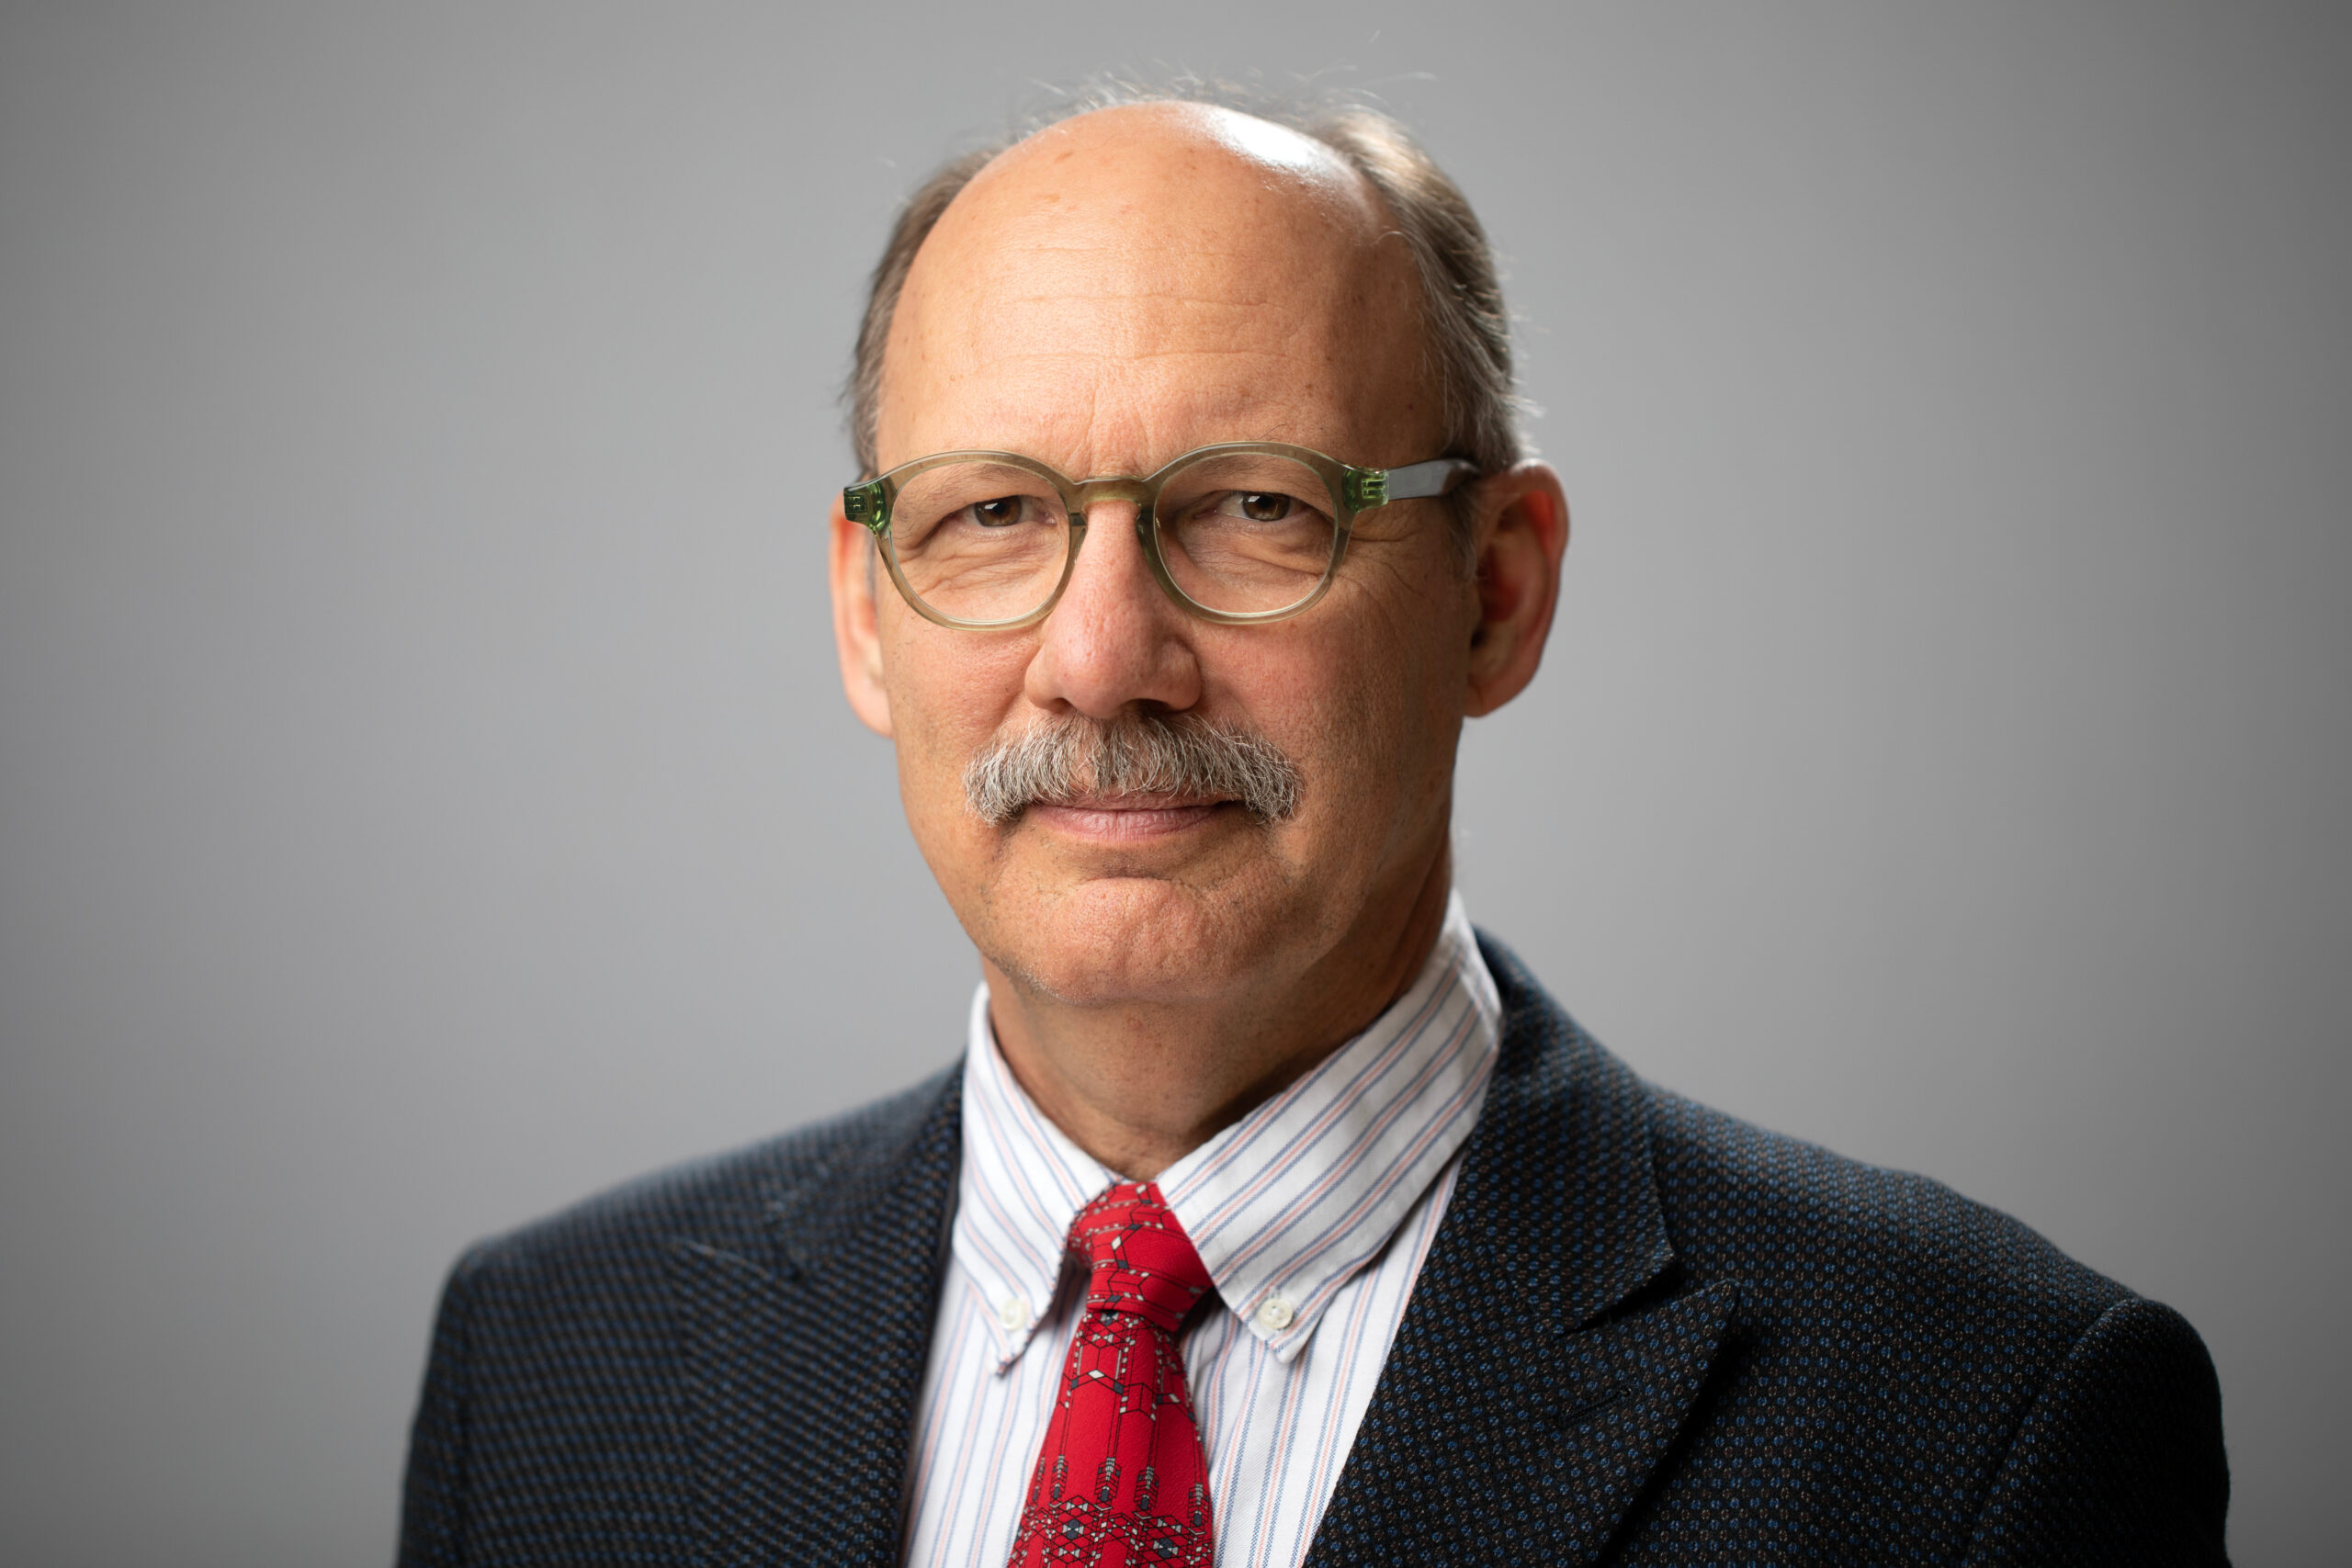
(1013, 1312)
(1275, 1313)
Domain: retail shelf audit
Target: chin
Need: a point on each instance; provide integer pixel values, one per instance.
(1114, 940)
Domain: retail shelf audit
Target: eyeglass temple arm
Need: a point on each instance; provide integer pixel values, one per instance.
(1416, 480)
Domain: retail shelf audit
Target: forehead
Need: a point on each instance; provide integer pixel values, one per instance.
(1138, 281)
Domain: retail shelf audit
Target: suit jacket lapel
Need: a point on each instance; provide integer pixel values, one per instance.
(1546, 1362)
(804, 1358)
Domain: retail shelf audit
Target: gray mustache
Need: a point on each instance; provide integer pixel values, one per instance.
(1071, 757)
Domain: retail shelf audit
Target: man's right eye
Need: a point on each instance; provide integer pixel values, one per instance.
(996, 513)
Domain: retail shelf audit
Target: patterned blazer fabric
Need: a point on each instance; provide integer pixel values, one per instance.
(1646, 1334)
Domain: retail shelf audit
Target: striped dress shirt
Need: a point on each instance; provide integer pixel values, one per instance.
(1313, 1214)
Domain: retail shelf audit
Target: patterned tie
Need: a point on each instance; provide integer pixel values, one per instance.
(1120, 1480)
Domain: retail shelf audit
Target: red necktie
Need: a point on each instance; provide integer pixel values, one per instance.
(1120, 1480)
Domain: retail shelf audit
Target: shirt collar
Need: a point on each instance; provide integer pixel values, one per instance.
(1023, 1182)
(1285, 1205)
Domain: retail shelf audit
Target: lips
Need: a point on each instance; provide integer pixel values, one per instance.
(1128, 817)
(1164, 801)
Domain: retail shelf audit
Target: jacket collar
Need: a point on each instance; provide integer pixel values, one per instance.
(1547, 1359)
(1559, 1173)
(803, 1363)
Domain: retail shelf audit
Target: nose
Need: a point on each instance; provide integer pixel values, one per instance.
(1114, 639)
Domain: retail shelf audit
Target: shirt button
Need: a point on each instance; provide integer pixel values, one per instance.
(1276, 1312)
(1013, 1312)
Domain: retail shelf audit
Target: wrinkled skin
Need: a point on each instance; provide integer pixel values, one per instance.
(1116, 291)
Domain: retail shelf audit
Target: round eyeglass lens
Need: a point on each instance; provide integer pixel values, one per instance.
(978, 541)
(1246, 532)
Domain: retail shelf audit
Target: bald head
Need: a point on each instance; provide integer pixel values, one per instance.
(1136, 281)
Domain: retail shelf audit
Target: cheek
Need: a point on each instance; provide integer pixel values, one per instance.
(950, 695)
(1363, 712)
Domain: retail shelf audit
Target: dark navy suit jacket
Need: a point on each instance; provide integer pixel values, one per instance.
(1646, 1334)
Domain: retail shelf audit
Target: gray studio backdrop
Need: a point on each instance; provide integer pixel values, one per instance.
(425, 796)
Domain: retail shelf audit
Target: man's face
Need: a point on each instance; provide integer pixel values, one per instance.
(1115, 292)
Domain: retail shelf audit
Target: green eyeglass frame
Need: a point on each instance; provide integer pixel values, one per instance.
(1350, 491)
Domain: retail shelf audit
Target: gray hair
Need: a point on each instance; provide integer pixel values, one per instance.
(1069, 758)
(1467, 329)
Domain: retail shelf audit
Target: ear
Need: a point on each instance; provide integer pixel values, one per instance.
(855, 629)
(1522, 532)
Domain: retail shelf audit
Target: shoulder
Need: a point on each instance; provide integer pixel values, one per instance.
(1894, 1340)
(730, 1202)
(1804, 1231)
(2083, 1415)
(1795, 1223)
(561, 1373)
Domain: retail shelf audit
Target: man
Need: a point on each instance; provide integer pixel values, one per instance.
(1273, 1216)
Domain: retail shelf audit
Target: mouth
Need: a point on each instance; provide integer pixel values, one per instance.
(1129, 818)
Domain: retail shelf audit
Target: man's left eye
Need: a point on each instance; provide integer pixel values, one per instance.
(1001, 513)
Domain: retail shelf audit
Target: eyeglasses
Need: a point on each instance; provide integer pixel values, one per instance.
(1241, 532)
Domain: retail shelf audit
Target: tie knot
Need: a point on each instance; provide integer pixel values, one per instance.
(1142, 1261)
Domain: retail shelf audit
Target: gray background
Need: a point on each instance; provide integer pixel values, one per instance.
(425, 795)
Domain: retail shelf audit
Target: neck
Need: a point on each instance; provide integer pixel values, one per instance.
(1138, 1085)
